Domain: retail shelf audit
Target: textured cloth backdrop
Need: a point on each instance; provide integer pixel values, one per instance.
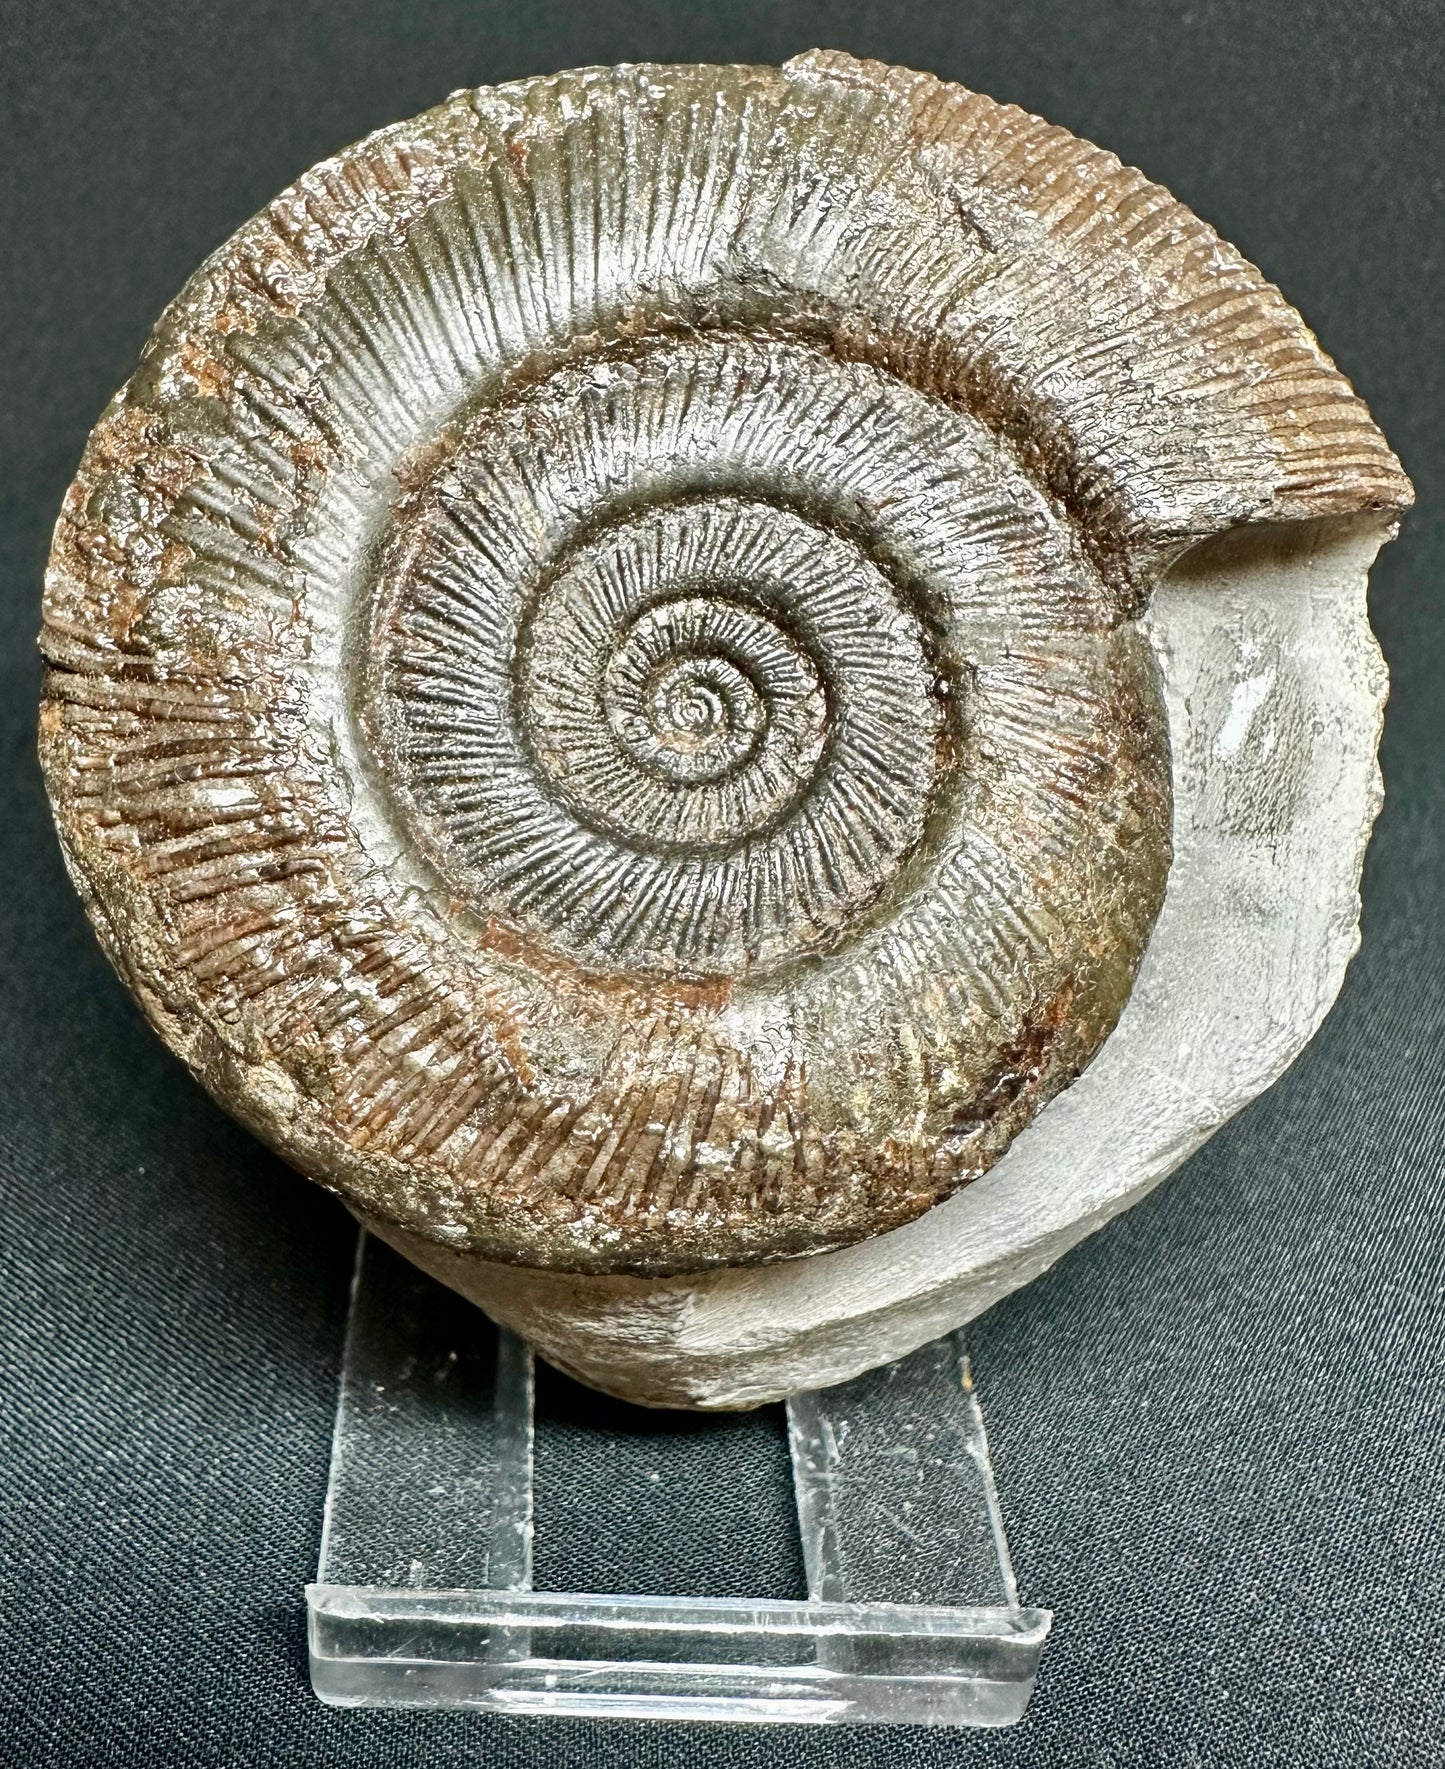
(1217, 1426)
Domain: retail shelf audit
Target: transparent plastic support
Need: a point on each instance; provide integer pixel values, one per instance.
(424, 1594)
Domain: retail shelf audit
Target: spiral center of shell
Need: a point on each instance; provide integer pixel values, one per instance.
(691, 718)
(649, 682)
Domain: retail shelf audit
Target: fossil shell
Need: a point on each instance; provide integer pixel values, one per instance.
(599, 680)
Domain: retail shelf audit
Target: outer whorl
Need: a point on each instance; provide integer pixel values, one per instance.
(594, 689)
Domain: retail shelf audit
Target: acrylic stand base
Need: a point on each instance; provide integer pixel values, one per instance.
(424, 1595)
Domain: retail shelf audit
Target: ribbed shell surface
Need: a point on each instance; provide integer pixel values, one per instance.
(594, 691)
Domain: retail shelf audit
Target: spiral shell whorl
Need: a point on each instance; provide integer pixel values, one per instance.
(594, 689)
(685, 725)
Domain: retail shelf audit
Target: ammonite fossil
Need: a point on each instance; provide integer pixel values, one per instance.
(607, 689)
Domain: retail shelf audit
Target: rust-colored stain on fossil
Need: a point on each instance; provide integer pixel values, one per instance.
(594, 689)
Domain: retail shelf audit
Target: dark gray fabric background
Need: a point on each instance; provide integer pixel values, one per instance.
(1218, 1426)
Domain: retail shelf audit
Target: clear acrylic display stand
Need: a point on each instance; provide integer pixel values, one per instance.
(424, 1595)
